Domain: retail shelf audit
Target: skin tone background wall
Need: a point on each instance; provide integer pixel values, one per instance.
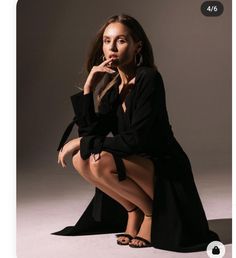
(192, 52)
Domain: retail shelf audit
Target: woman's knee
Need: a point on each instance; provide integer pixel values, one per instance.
(82, 166)
(102, 165)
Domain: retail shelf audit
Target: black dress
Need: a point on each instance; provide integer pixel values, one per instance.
(179, 222)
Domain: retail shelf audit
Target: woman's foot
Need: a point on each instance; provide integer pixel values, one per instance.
(144, 234)
(135, 218)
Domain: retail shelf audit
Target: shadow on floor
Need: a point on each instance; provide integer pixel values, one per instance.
(223, 227)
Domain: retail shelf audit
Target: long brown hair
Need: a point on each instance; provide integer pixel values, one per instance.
(96, 52)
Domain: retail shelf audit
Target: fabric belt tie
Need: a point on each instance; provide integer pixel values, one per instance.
(67, 133)
(121, 171)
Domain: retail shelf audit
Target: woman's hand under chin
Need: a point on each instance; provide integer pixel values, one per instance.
(69, 148)
(96, 74)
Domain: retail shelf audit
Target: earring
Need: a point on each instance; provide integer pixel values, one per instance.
(140, 61)
(103, 58)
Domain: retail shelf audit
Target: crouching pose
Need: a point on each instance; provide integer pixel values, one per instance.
(128, 151)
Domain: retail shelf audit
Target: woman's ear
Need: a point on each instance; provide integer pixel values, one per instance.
(139, 47)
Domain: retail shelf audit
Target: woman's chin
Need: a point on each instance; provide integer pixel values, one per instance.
(114, 65)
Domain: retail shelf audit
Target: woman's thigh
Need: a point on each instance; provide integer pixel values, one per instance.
(82, 166)
(139, 169)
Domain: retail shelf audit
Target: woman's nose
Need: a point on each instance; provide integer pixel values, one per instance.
(113, 46)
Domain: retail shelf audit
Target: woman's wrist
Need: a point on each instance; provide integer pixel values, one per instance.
(76, 143)
(87, 89)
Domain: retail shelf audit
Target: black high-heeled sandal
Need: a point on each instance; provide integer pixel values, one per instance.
(126, 234)
(146, 243)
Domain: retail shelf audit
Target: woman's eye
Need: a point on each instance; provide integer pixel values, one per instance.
(106, 41)
(121, 41)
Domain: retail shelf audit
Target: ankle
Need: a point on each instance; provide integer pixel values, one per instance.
(148, 215)
(134, 209)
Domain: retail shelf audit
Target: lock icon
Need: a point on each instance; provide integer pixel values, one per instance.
(216, 250)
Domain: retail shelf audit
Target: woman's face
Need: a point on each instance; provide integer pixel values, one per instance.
(118, 44)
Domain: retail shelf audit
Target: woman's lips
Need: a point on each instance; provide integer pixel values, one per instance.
(113, 56)
(114, 60)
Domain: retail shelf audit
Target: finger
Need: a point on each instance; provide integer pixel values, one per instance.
(59, 161)
(63, 163)
(106, 61)
(96, 156)
(112, 63)
(108, 70)
(59, 155)
(58, 158)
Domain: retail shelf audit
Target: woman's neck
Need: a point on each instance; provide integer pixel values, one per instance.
(126, 74)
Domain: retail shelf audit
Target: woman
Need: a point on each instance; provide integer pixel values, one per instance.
(143, 178)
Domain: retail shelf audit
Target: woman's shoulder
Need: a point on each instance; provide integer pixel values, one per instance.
(148, 77)
(145, 71)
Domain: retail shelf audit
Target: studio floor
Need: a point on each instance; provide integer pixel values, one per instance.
(50, 199)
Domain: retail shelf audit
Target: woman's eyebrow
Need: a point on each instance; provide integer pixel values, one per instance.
(105, 36)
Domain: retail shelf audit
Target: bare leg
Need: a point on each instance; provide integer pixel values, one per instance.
(105, 169)
(82, 166)
(139, 169)
(134, 218)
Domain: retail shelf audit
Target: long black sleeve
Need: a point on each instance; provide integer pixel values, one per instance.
(89, 122)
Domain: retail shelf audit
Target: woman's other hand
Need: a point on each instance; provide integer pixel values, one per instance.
(96, 74)
(67, 149)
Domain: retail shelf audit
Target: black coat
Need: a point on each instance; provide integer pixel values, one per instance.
(179, 222)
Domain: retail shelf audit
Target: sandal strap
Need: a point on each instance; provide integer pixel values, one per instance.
(143, 239)
(148, 215)
(125, 235)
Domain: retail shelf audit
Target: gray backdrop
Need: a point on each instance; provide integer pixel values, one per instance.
(192, 52)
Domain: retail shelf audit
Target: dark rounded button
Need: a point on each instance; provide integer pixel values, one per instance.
(212, 8)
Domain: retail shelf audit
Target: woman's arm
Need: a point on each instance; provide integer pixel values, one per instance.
(150, 106)
(85, 116)
(69, 148)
